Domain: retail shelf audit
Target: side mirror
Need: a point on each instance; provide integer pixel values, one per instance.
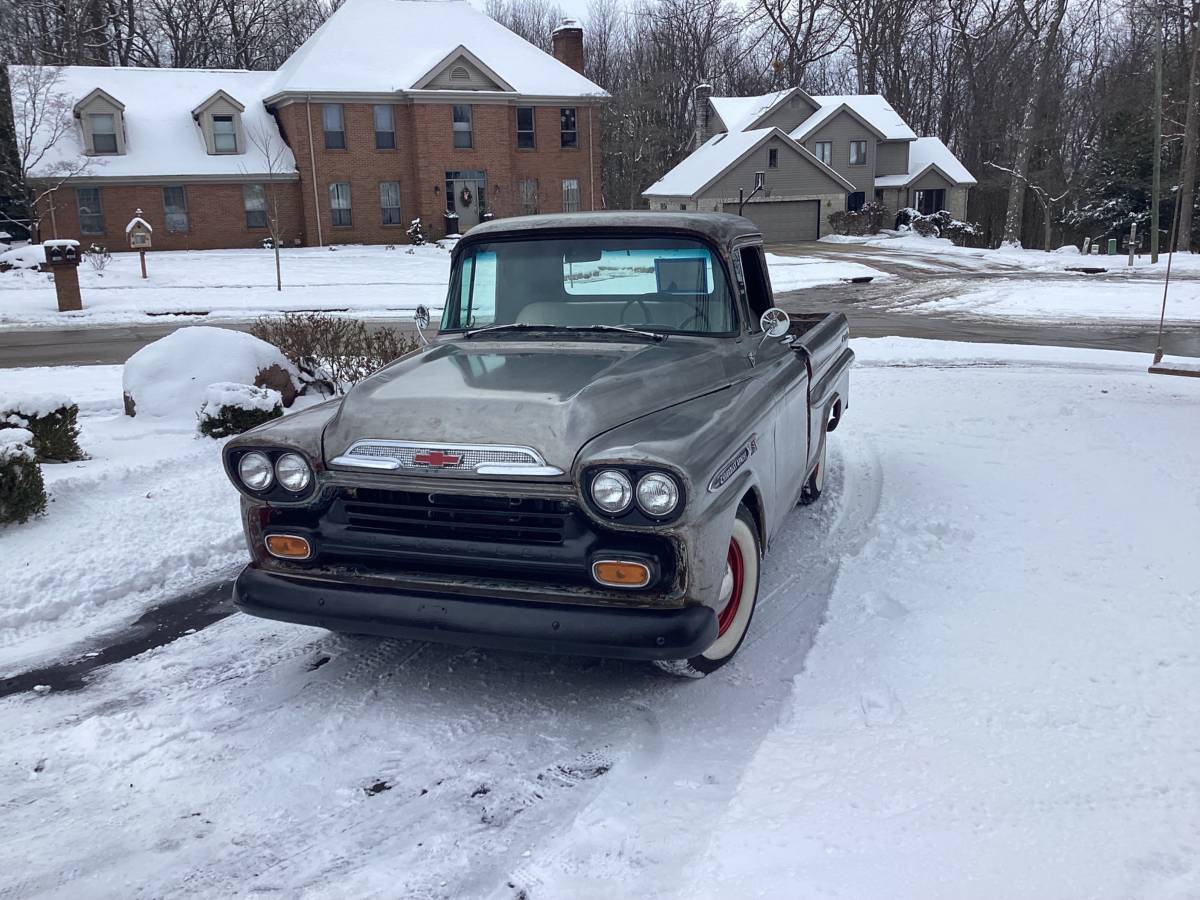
(774, 322)
(421, 318)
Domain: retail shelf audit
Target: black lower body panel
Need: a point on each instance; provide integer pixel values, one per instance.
(627, 633)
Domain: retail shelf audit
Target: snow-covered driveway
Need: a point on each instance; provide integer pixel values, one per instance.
(1000, 702)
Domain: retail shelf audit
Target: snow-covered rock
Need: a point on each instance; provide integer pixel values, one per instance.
(30, 256)
(1068, 250)
(171, 376)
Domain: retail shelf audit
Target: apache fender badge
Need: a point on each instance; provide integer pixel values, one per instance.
(734, 463)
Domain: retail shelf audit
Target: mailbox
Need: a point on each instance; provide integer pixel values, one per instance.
(62, 258)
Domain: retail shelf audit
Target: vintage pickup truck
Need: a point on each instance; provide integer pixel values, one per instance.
(591, 456)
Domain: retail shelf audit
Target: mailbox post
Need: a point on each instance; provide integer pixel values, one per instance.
(63, 259)
(139, 233)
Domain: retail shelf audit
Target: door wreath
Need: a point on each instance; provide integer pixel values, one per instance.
(466, 197)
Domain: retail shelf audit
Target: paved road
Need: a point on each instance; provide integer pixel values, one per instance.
(875, 310)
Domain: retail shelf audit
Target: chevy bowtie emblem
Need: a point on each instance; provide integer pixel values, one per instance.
(436, 459)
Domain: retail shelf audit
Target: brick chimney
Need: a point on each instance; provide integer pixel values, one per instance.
(567, 42)
(701, 94)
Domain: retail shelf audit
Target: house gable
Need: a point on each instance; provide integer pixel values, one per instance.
(788, 113)
(835, 118)
(839, 130)
(218, 98)
(461, 70)
(931, 178)
(101, 103)
(798, 172)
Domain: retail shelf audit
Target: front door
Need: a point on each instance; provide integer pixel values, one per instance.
(466, 195)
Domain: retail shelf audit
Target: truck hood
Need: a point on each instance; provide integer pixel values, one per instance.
(553, 396)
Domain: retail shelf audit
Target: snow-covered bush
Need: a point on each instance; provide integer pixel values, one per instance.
(941, 224)
(416, 233)
(52, 422)
(170, 376)
(31, 256)
(230, 408)
(97, 256)
(22, 490)
(330, 352)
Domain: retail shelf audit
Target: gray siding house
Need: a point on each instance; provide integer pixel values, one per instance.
(817, 155)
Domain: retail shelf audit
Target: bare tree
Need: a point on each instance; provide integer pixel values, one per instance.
(274, 153)
(1191, 135)
(44, 154)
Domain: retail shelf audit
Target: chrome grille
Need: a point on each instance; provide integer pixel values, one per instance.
(469, 457)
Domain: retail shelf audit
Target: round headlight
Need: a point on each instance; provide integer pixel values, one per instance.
(657, 494)
(255, 471)
(612, 491)
(293, 472)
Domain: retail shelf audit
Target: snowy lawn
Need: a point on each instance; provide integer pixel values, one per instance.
(1047, 300)
(1000, 701)
(213, 285)
(235, 284)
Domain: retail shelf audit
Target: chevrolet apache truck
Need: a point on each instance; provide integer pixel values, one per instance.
(591, 456)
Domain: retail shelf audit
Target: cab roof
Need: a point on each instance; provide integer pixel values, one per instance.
(721, 228)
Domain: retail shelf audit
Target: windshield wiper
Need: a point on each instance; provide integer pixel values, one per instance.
(531, 326)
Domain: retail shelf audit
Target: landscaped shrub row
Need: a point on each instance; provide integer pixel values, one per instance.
(231, 408)
(53, 422)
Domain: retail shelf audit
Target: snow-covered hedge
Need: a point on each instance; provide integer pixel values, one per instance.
(31, 256)
(868, 220)
(941, 224)
(171, 376)
(230, 408)
(22, 491)
(52, 421)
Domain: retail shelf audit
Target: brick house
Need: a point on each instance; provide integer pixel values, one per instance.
(815, 155)
(392, 110)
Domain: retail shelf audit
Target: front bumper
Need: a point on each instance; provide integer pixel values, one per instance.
(498, 623)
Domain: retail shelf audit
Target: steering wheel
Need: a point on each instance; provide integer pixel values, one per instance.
(636, 301)
(700, 318)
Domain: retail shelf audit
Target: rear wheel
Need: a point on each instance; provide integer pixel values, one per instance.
(811, 491)
(737, 596)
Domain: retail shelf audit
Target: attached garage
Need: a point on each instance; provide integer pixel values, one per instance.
(783, 220)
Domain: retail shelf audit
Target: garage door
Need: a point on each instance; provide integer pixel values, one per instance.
(783, 220)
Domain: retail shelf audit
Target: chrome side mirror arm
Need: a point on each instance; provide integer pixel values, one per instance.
(421, 318)
(774, 323)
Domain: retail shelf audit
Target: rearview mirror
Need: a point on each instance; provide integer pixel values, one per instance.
(421, 318)
(774, 322)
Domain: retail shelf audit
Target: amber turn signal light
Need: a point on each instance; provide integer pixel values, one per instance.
(621, 573)
(288, 546)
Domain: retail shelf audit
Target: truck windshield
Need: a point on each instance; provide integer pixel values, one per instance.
(662, 284)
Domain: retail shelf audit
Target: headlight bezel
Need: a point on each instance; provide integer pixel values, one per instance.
(657, 478)
(275, 492)
(268, 467)
(624, 482)
(633, 513)
(305, 468)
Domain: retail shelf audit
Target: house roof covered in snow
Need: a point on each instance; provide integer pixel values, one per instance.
(380, 46)
(925, 154)
(740, 113)
(873, 108)
(699, 169)
(162, 140)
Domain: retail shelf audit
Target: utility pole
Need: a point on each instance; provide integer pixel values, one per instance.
(1156, 189)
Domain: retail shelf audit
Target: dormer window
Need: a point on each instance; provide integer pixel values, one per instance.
(224, 130)
(220, 121)
(103, 127)
(100, 114)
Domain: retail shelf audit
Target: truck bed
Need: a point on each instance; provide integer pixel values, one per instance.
(823, 340)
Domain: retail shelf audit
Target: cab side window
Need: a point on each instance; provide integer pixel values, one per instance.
(758, 290)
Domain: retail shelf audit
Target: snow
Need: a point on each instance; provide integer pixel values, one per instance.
(707, 162)
(999, 699)
(1076, 299)
(31, 404)
(16, 443)
(791, 273)
(872, 107)
(739, 113)
(925, 154)
(171, 377)
(229, 394)
(376, 46)
(28, 257)
(137, 222)
(161, 138)
(235, 284)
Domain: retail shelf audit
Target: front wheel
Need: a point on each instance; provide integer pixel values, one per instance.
(735, 602)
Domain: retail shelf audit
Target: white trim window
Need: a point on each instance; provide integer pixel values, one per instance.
(224, 130)
(339, 204)
(570, 192)
(103, 127)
